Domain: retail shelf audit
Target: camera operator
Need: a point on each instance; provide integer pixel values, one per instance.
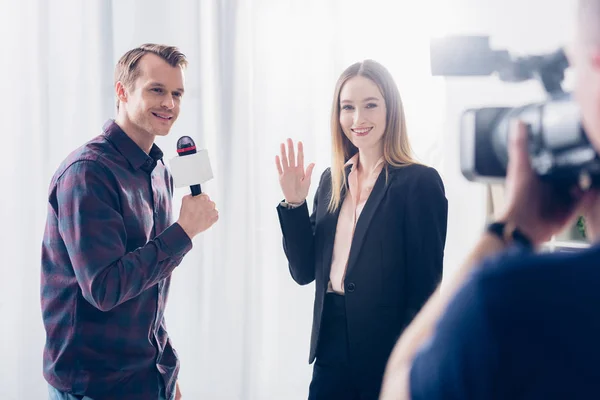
(513, 324)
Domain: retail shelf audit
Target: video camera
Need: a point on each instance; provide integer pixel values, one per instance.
(559, 150)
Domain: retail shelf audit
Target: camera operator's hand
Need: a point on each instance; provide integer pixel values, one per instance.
(537, 208)
(198, 213)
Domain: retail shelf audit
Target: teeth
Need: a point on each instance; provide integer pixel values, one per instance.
(162, 116)
(361, 130)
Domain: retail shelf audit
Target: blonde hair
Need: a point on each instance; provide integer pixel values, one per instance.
(396, 147)
(127, 69)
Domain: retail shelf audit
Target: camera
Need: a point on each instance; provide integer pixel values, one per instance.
(559, 150)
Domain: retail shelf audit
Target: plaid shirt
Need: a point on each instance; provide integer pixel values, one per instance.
(108, 252)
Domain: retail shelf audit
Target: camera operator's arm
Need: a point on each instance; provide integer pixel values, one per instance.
(531, 209)
(396, 382)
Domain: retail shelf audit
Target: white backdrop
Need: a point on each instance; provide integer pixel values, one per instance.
(260, 71)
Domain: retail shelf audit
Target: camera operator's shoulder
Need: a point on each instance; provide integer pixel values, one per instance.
(517, 276)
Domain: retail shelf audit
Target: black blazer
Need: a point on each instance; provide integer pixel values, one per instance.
(395, 260)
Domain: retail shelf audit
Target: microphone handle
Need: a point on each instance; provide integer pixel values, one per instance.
(196, 190)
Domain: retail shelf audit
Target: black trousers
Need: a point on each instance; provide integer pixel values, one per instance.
(336, 376)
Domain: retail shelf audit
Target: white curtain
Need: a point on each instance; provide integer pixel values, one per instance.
(260, 71)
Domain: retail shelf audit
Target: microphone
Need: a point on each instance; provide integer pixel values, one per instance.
(185, 147)
(191, 167)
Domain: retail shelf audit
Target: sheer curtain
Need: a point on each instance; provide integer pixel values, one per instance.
(260, 71)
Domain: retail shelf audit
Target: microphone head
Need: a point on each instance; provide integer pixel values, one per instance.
(185, 146)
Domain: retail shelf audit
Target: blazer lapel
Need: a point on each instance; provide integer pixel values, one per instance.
(366, 216)
(332, 220)
(328, 244)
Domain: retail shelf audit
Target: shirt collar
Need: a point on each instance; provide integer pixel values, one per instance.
(354, 160)
(137, 158)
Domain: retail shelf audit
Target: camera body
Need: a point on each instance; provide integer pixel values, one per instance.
(559, 150)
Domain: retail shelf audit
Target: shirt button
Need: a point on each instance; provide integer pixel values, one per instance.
(350, 287)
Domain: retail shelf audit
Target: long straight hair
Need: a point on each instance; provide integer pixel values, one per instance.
(396, 147)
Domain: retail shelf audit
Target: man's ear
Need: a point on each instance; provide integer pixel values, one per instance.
(121, 92)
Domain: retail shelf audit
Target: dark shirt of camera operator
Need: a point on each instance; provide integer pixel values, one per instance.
(525, 326)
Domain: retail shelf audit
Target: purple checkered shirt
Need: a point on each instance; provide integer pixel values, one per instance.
(108, 252)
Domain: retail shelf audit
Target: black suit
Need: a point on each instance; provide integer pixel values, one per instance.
(395, 260)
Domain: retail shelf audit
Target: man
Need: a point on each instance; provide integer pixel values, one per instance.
(110, 246)
(513, 324)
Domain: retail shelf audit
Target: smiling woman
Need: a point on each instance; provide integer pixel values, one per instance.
(375, 236)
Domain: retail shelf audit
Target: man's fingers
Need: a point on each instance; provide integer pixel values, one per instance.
(518, 155)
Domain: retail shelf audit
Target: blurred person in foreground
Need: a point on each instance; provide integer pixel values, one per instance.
(513, 324)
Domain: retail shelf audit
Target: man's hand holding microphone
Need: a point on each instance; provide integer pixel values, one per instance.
(198, 213)
(191, 168)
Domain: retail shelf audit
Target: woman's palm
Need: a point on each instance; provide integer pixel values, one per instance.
(294, 180)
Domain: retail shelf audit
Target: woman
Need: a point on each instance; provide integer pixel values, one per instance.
(374, 242)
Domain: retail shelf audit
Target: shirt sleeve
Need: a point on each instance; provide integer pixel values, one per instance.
(298, 229)
(95, 237)
(461, 359)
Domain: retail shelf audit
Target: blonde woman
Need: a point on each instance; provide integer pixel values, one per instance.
(374, 242)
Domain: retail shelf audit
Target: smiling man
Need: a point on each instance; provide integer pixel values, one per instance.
(110, 245)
